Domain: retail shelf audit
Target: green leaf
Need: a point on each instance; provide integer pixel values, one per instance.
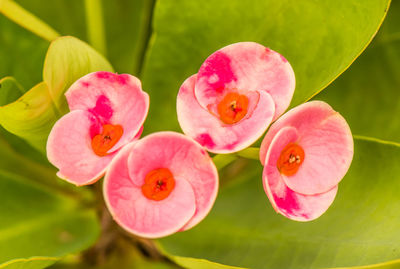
(67, 60)
(30, 263)
(193, 263)
(14, 151)
(31, 117)
(10, 90)
(27, 20)
(37, 222)
(123, 253)
(66, 16)
(126, 22)
(319, 38)
(127, 26)
(387, 265)
(367, 95)
(17, 157)
(361, 226)
(22, 53)
(95, 25)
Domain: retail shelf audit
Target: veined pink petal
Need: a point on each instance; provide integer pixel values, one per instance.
(113, 99)
(187, 161)
(285, 201)
(303, 117)
(142, 216)
(138, 135)
(329, 151)
(243, 67)
(213, 134)
(69, 149)
(327, 142)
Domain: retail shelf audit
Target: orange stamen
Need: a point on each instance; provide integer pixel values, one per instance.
(158, 184)
(233, 107)
(292, 156)
(103, 142)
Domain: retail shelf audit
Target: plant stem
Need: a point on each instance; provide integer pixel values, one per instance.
(222, 160)
(145, 35)
(95, 25)
(249, 153)
(24, 18)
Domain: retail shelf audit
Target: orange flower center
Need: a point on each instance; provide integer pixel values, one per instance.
(233, 107)
(158, 184)
(292, 156)
(103, 142)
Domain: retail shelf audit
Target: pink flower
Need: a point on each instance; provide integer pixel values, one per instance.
(305, 154)
(107, 111)
(234, 97)
(161, 184)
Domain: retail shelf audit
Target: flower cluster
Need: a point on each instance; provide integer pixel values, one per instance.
(232, 100)
(154, 186)
(166, 182)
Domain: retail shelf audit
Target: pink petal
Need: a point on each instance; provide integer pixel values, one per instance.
(69, 149)
(327, 142)
(213, 134)
(303, 117)
(285, 201)
(142, 216)
(114, 99)
(329, 151)
(187, 161)
(245, 66)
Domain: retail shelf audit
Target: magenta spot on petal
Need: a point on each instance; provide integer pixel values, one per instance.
(95, 126)
(205, 140)
(283, 59)
(265, 56)
(218, 70)
(137, 136)
(231, 146)
(111, 77)
(104, 74)
(123, 79)
(305, 216)
(288, 203)
(103, 108)
(85, 84)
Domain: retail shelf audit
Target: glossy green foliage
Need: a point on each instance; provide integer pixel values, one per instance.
(30, 116)
(30, 263)
(315, 36)
(21, 53)
(15, 12)
(126, 26)
(360, 228)
(67, 60)
(38, 221)
(368, 94)
(194, 263)
(122, 255)
(10, 90)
